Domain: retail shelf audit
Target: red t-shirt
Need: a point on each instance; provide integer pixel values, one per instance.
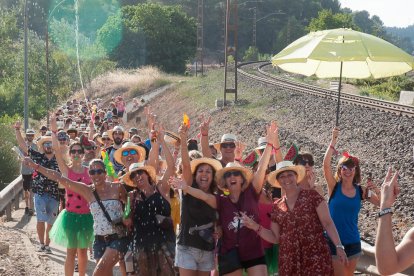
(250, 245)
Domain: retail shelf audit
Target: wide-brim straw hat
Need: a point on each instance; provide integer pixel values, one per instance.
(171, 137)
(150, 170)
(42, 140)
(118, 129)
(226, 138)
(129, 146)
(215, 164)
(233, 166)
(104, 135)
(261, 143)
(286, 166)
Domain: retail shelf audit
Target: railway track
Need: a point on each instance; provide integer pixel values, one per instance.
(381, 105)
(366, 264)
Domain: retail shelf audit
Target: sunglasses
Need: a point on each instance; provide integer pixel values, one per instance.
(106, 139)
(91, 148)
(62, 139)
(304, 162)
(47, 144)
(135, 173)
(228, 145)
(129, 152)
(74, 151)
(345, 168)
(98, 171)
(232, 173)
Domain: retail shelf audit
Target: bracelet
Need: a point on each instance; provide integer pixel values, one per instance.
(276, 149)
(340, 246)
(270, 144)
(238, 159)
(384, 212)
(202, 134)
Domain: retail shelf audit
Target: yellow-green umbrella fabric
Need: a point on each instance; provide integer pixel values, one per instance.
(321, 53)
(345, 53)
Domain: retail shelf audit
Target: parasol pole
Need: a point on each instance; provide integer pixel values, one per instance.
(339, 96)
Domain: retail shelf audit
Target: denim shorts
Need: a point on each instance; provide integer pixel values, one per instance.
(188, 257)
(352, 250)
(99, 246)
(46, 208)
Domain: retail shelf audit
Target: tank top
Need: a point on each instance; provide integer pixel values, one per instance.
(195, 212)
(75, 203)
(101, 225)
(344, 211)
(148, 235)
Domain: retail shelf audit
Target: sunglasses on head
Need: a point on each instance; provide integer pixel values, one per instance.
(129, 152)
(304, 162)
(74, 151)
(349, 168)
(228, 145)
(98, 171)
(232, 173)
(135, 173)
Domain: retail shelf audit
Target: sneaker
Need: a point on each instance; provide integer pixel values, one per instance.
(41, 248)
(47, 249)
(31, 212)
(26, 210)
(76, 266)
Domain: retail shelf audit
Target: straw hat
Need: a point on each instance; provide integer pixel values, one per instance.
(136, 167)
(43, 139)
(215, 164)
(171, 137)
(286, 166)
(261, 143)
(126, 146)
(104, 135)
(232, 166)
(117, 129)
(226, 138)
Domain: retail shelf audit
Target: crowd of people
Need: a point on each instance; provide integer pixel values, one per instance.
(156, 201)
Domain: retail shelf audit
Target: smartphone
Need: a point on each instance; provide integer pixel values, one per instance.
(369, 179)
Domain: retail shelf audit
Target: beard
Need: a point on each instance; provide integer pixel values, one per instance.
(118, 141)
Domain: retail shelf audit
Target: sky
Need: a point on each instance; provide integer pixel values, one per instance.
(394, 13)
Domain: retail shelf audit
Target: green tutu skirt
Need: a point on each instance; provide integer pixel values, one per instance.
(72, 230)
(272, 259)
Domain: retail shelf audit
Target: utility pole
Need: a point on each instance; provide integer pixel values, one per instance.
(254, 26)
(47, 73)
(230, 49)
(200, 35)
(26, 73)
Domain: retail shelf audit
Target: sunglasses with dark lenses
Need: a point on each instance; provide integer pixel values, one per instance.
(47, 144)
(74, 151)
(304, 162)
(129, 152)
(232, 173)
(349, 168)
(135, 173)
(106, 139)
(228, 145)
(98, 171)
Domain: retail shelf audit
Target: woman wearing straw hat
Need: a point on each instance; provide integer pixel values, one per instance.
(153, 235)
(195, 242)
(345, 193)
(73, 228)
(241, 196)
(110, 238)
(299, 219)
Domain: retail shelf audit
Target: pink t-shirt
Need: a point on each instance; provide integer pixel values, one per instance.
(75, 203)
(250, 246)
(120, 106)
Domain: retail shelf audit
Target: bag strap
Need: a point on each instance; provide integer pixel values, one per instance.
(98, 199)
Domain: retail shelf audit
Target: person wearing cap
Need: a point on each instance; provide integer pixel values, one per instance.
(46, 192)
(241, 190)
(132, 131)
(117, 134)
(27, 174)
(346, 193)
(110, 241)
(299, 220)
(73, 228)
(153, 232)
(72, 132)
(195, 237)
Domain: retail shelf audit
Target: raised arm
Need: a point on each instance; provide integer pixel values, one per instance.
(327, 170)
(204, 128)
(91, 129)
(391, 259)
(56, 176)
(20, 139)
(259, 176)
(210, 199)
(163, 183)
(185, 158)
(63, 167)
(154, 154)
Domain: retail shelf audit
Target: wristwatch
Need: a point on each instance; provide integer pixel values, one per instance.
(340, 246)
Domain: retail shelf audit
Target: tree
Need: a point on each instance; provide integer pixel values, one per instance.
(327, 20)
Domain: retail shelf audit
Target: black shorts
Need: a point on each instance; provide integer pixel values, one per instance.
(27, 182)
(254, 262)
(352, 250)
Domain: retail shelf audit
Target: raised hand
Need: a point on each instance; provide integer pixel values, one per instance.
(183, 132)
(272, 133)
(238, 152)
(204, 125)
(177, 183)
(335, 135)
(53, 124)
(389, 189)
(310, 176)
(17, 125)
